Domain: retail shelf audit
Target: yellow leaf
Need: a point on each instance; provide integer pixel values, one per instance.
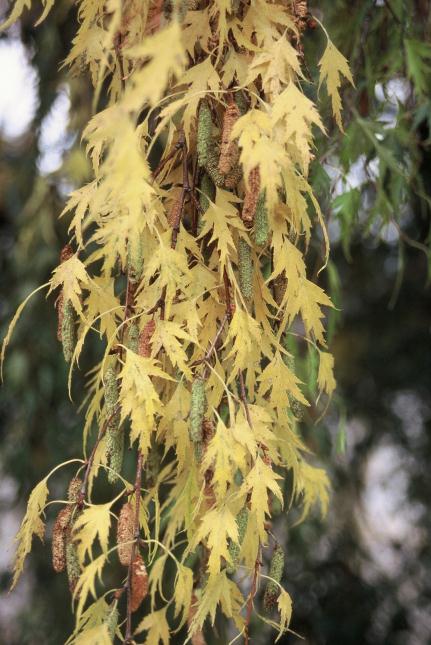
(87, 582)
(282, 382)
(225, 455)
(183, 590)
(260, 480)
(216, 527)
(245, 335)
(168, 335)
(312, 485)
(139, 398)
(93, 522)
(31, 525)
(149, 84)
(70, 275)
(284, 603)
(218, 590)
(325, 377)
(157, 627)
(333, 65)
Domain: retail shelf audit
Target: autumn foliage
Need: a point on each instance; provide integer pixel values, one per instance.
(192, 270)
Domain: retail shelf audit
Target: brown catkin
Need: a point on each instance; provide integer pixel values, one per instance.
(74, 490)
(144, 344)
(72, 565)
(251, 197)
(59, 530)
(229, 151)
(125, 534)
(139, 583)
(235, 547)
(280, 286)
(233, 178)
(175, 212)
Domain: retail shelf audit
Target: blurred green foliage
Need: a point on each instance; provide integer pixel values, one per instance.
(363, 575)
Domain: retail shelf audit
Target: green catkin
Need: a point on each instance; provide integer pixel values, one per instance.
(221, 181)
(111, 619)
(245, 267)
(197, 410)
(235, 547)
(114, 435)
(68, 330)
(133, 337)
(261, 229)
(276, 567)
(204, 141)
(207, 192)
(73, 567)
(135, 258)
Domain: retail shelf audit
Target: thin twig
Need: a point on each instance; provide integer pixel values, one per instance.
(250, 598)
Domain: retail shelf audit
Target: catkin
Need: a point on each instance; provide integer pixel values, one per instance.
(68, 330)
(245, 268)
(235, 547)
(61, 525)
(175, 212)
(133, 337)
(207, 193)
(233, 178)
(74, 490)
(280, 286)
(203, 142)
(144, 344)
(114, 434)
(261, 229)
(251, 197)
(197, 410)
(272, 590)
(125, 534)
(72, 565)
(230, 180)
(139, 582)
(229, 152)
(60, 313)
(135, 259)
